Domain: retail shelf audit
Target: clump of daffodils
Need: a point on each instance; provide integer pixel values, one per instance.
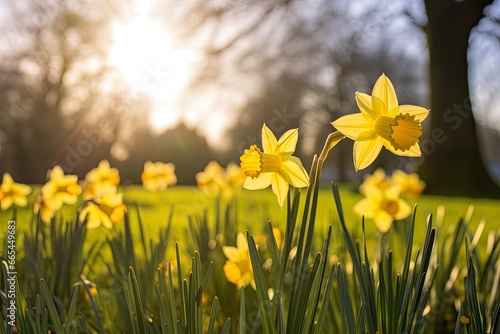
(386, 197)
(215, 180)
(158, 176)
(382, 122)
(103, 203)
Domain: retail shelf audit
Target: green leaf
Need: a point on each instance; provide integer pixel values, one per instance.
(242, 326)
(263, 299)
(213, 315)
(54, 315)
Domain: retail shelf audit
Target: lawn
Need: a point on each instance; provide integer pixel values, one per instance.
(255, 208)
(194, 218)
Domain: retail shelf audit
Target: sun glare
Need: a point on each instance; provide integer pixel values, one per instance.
(153, 66)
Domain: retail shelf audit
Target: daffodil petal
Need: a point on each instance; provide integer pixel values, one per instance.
(232, 253)
(384, 90)
(280, 188)
(6, 203)
(352, 125)
(232, 272)
(261, 182)
(393, 192)
(364, 102)
(367, 135)
(366, 208)
(379, 106)
(241, 242)
(373, 192)
(414, 151)
(252, 284)
(269, 142)
(365, 152)
(383, 221)
(20, 201)
(22, 189)
(404, 210)
(296, 173)
(288, 142)
(420, 113)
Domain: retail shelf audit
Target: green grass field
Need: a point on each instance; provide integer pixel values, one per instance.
(256, 208)
(193, 218)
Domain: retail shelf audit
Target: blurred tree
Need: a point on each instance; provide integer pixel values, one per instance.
(58, 97)
(453, 165)
(334, 47)
(301, 62)
(182, 146)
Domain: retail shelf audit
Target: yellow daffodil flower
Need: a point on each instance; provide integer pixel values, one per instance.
(275, 165)
(105, 209)
(215, 180)
(12, 193)
(378, 179)
(235, 178)
(464, 320)
(238, 267)
(44, 209)
(212, 179)
(382, 122)
(158, 176)
(60, 189)
(409, 183)
(383, 207)
(103, 174)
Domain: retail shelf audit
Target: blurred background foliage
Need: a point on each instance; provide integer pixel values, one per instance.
(202, 88)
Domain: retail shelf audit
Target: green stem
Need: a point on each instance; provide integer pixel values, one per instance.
(332, 140)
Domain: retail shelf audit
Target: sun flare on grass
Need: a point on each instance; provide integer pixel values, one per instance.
(152, 64)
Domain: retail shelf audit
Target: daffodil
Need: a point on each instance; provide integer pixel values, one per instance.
(378, 179)
(44, 209)
(274, 165)
(382, 122)
(103, 174)
(238, 267)
(212, 179)
(157, 176)
(12, 193)
(383, 206)
(235, 178)
(105, 209)
(60, 189)
(409, 183)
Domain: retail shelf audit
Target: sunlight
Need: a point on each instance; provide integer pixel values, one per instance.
(152, 65)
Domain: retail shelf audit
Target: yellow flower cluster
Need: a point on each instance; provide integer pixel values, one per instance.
(103, 203)
(215, 180)
(384, 197)
(381, 123)
(157, 176)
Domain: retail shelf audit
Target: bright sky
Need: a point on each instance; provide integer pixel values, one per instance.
(155, 65)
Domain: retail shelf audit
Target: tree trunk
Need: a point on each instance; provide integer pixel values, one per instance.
(452, 165)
